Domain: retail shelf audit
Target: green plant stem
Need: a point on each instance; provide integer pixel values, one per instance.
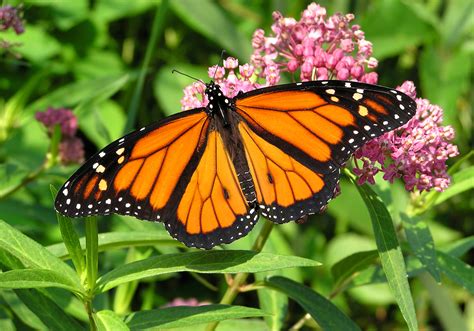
(156, 29)
(92, 249)
(233, 290)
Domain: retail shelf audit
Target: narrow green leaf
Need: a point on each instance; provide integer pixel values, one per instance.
(6, 322)
(328, 316)
(390, 254)
(68, 302)
(107, 320)
(70, 238)
(36, 278)
(80, 92)
(462, 181)
(458, 271)
(187, 316)
(30, 253)
(352, 264)
(445, 307)
(116, 240)
(206, 17)
(459, 247)
(22, 311)
(201, 262)
(47, 311)
(421, 242)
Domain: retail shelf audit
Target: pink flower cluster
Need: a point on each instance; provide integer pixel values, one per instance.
(320, 47)
(229, 81)
(417, 152)
(71, 148)
(10, 18)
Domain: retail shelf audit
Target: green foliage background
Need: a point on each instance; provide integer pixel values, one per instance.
(110, 61)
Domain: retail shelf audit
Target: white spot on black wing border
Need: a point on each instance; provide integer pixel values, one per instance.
(240, 228)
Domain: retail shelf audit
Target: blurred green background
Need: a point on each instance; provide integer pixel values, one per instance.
(88, 56)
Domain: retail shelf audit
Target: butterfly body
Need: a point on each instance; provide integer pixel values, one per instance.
(208, 173)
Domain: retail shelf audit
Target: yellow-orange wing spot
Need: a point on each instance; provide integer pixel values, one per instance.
(278, 177)
(213, 198)
(285, 100)
(103, 185)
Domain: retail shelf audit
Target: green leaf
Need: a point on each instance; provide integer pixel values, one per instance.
(188, 316)
(459, 247)
(168, 87)
(36, 44)
(201, 262)
(80, 92)
(22, 311)
(389, 25)
(31, 254)
(116, 240)
(103, 123)
(462, 181)
(421, 242)
(390, 254)
(207, 18)
(11, 175)
(47, 311)
(70, 238)
(458, 271)
(107, 320)
(36, 278)
(446, 309)
(346, 267)
(328, 316)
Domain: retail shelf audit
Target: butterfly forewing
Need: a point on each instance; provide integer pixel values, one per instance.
(137, 174)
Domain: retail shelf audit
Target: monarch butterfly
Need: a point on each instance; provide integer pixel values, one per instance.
(208, 173)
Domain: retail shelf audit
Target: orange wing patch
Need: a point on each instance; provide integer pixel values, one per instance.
(158, 159)
(301, 118)
(279, 179)
(213, 198)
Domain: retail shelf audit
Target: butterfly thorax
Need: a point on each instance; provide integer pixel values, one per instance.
(219, 104)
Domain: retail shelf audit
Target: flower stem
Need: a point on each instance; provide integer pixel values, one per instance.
(233, 290)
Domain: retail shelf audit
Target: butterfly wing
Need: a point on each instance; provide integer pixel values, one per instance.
(213, 208)
(139, 174)
(297, 136)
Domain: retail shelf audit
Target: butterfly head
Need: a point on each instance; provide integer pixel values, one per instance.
(218, 102)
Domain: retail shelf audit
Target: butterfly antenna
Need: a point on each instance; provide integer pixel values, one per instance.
(223, 53)
(182, 73)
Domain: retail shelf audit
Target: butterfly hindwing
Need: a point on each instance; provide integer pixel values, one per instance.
(213, 208)
(286, 189)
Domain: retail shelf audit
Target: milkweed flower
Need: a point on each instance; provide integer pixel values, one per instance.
(10, 17)
(232, 78)
(321, 47)
(416, 153)
(71, 148)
